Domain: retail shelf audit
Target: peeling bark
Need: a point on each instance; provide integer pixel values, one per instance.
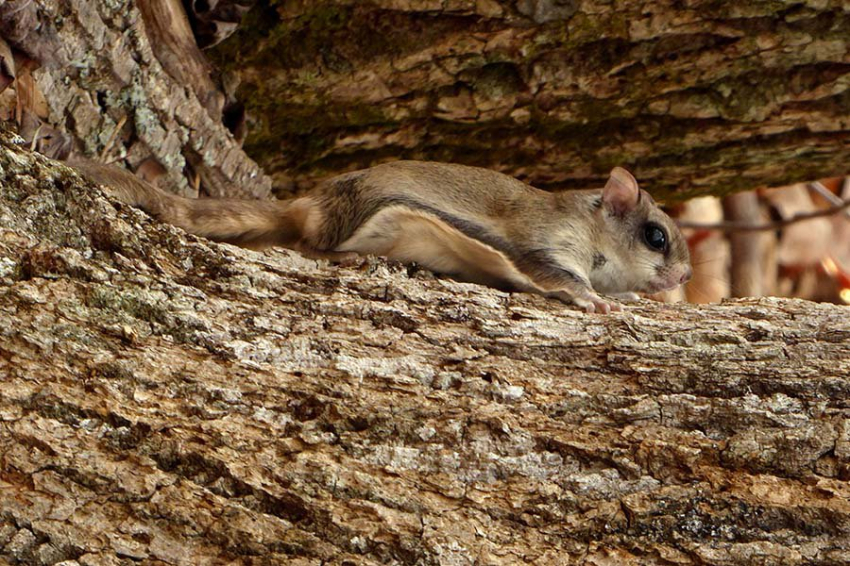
(694, 97)
(104, 65)
(175, 48)
(700, 97)
(173, 401)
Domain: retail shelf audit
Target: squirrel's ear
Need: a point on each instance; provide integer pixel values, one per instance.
(621, 192)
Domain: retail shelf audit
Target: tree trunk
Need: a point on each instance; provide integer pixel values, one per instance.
(694, 97)
(749, 250)
(129, 83)
(172, 401)
(166, 400)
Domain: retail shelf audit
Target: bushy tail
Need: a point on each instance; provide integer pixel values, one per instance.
(247, 223)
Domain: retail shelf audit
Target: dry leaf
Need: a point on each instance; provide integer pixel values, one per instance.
(7, 65)
(151, 170)
(8, 104)
(32, 99)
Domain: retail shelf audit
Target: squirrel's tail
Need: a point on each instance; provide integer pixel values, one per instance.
(247, 223)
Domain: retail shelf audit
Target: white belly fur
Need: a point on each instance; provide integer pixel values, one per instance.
(406, 235)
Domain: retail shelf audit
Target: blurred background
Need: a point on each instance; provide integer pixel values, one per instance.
(809, 259)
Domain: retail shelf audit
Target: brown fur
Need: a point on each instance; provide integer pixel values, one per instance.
(251, 224)
(475, 224)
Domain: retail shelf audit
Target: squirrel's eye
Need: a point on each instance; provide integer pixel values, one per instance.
(655, 237)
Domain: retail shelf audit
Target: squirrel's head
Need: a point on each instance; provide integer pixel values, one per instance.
(642, 249)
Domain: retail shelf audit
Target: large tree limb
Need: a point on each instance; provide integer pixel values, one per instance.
(697, 97)
(170, 400)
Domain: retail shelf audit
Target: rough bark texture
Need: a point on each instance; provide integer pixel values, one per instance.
(694, 96)
(107, 61)
(168, 400)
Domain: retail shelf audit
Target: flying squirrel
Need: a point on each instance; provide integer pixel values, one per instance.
(472, 224)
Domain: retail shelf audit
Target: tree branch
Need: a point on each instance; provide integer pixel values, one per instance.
(174, 401)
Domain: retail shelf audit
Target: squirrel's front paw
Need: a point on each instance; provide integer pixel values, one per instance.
(590, 302)
(594, 303)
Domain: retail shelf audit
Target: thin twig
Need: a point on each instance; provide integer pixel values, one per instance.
(775, 225)
(111, 140)
(34, 142)
(18, 8)
(833, 199)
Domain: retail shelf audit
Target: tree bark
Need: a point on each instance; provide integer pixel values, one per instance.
(694, 97)
(130, 84)
(172, 401)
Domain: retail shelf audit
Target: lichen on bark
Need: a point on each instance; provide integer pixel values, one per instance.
(695, 99)
(173, 401)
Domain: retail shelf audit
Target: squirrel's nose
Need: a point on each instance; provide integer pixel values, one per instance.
(686, 276)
